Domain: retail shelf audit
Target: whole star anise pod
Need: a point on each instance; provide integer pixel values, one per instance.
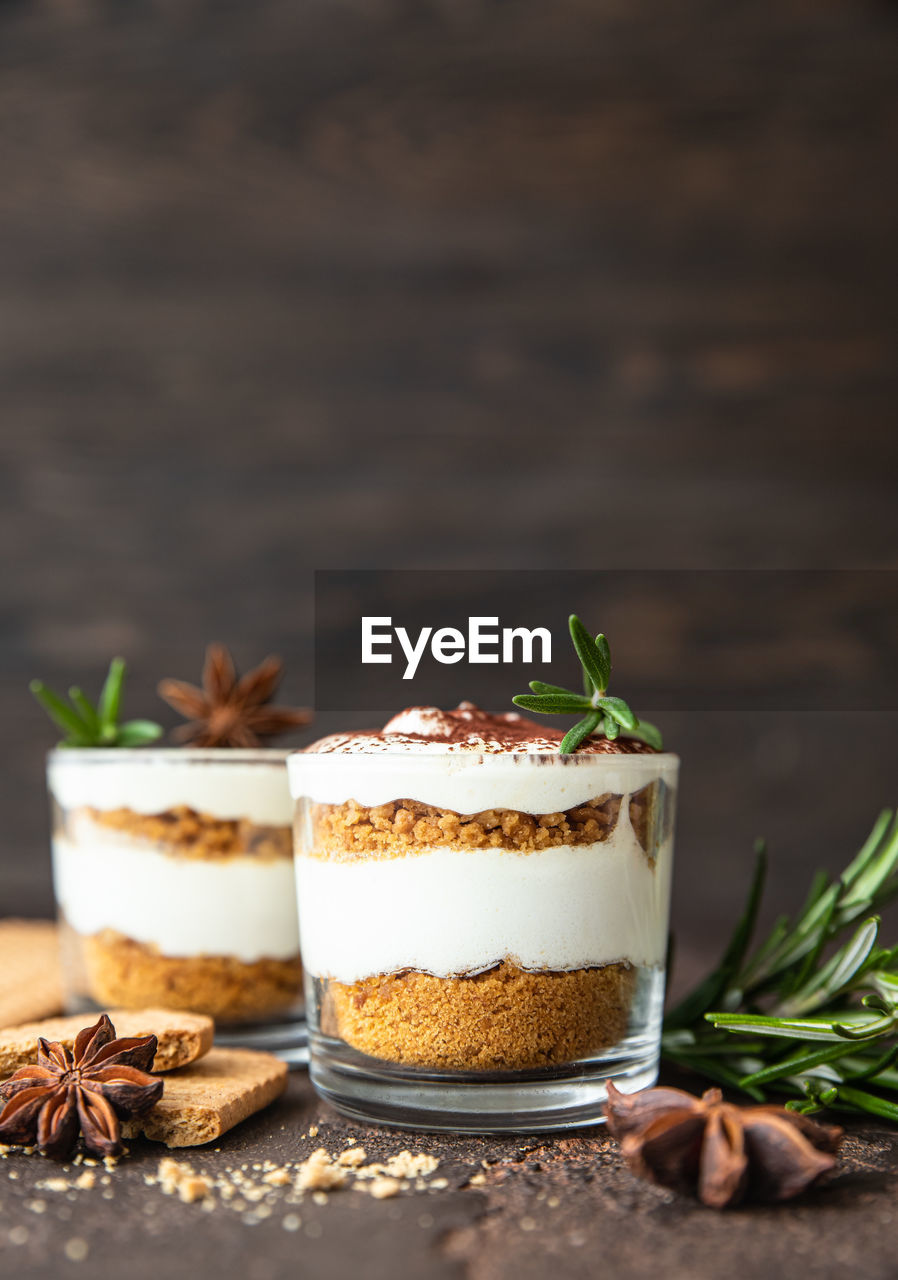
(83, 1090)
(227, 712)
(719, 1151)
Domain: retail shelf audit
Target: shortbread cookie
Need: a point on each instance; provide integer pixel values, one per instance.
(29, 960)
(183, 1037)
(202, 1101)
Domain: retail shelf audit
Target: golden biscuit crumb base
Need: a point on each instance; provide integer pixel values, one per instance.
(401, 827)
(116, 970)
(505, 1019)
(186, 833)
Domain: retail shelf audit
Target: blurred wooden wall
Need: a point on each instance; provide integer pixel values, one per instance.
(585, 285)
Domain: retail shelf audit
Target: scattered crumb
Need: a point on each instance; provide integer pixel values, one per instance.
(319, 1173)
(384, 1188)
(292, 1222)
(313, 1131)
(85, 1180)
(76, 1249)
(477, 1180)
(352, 1158)
(277, 1178)
(18, 1235)
(54, 1184)
(175, 1176)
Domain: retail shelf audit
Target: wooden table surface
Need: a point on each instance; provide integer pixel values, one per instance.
(562, 1207)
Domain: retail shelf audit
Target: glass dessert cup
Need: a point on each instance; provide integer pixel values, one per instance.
(174, 882)
(483, 935)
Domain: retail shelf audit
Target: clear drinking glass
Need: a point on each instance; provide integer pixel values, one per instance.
(174, 882)
(483, 936)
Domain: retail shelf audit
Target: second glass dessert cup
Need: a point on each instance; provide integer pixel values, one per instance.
(174, 881)
(483, 935)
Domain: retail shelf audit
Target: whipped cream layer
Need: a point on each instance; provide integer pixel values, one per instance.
(222, 783)
(240, 906)
(468, 760)
(454, 911)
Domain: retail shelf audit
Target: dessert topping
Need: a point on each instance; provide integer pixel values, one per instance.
(87, 725)
(600, 713)
(231, 712)
(86, 1089)
(720, 1151)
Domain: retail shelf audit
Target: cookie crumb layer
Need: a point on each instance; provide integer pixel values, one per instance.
(506, 1018)
(121, 971)
(345, 832)
(190, 834)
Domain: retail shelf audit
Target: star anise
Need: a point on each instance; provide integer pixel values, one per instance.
(231, 712)
(717, 1150)
(83, 1090)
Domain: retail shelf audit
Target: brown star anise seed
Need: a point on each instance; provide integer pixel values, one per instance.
(83, 1090)
(719, 1151)
(227, 712)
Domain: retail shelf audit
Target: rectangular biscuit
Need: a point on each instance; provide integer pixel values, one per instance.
(183, 1037)
(32, 979)
(205, 1100)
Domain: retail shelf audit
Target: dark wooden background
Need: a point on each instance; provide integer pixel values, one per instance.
(462, 284)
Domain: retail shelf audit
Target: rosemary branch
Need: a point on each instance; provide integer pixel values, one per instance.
(812, 1012)
(87, 725)
(599, 712)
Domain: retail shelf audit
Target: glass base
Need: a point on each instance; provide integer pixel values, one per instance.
(542, 1100)
(288, 1041)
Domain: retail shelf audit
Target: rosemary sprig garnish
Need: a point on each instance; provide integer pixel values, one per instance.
(812, 1012)
(600, 713)
(87, 725)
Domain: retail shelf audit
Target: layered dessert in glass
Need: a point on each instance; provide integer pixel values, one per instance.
(173, 874)
(483, 919)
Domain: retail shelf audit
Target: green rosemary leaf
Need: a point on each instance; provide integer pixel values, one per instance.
(62, 715)
(709, 992)
(604, 651)
(836, 974)
(868, 1102)
(582, 729)
(647, 733)
(137, 733)
(552, 703)
(615, 715)
(111, 695)
(794, 1028)
(618, 709)
(798, 1063)
(86, 710)
(866, 1030)
(873, 874)
(877, 1069)
(588, 653)
(870, 847)
(87, 726)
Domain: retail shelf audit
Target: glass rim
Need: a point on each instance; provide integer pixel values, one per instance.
(169, 755)
(540, 758)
